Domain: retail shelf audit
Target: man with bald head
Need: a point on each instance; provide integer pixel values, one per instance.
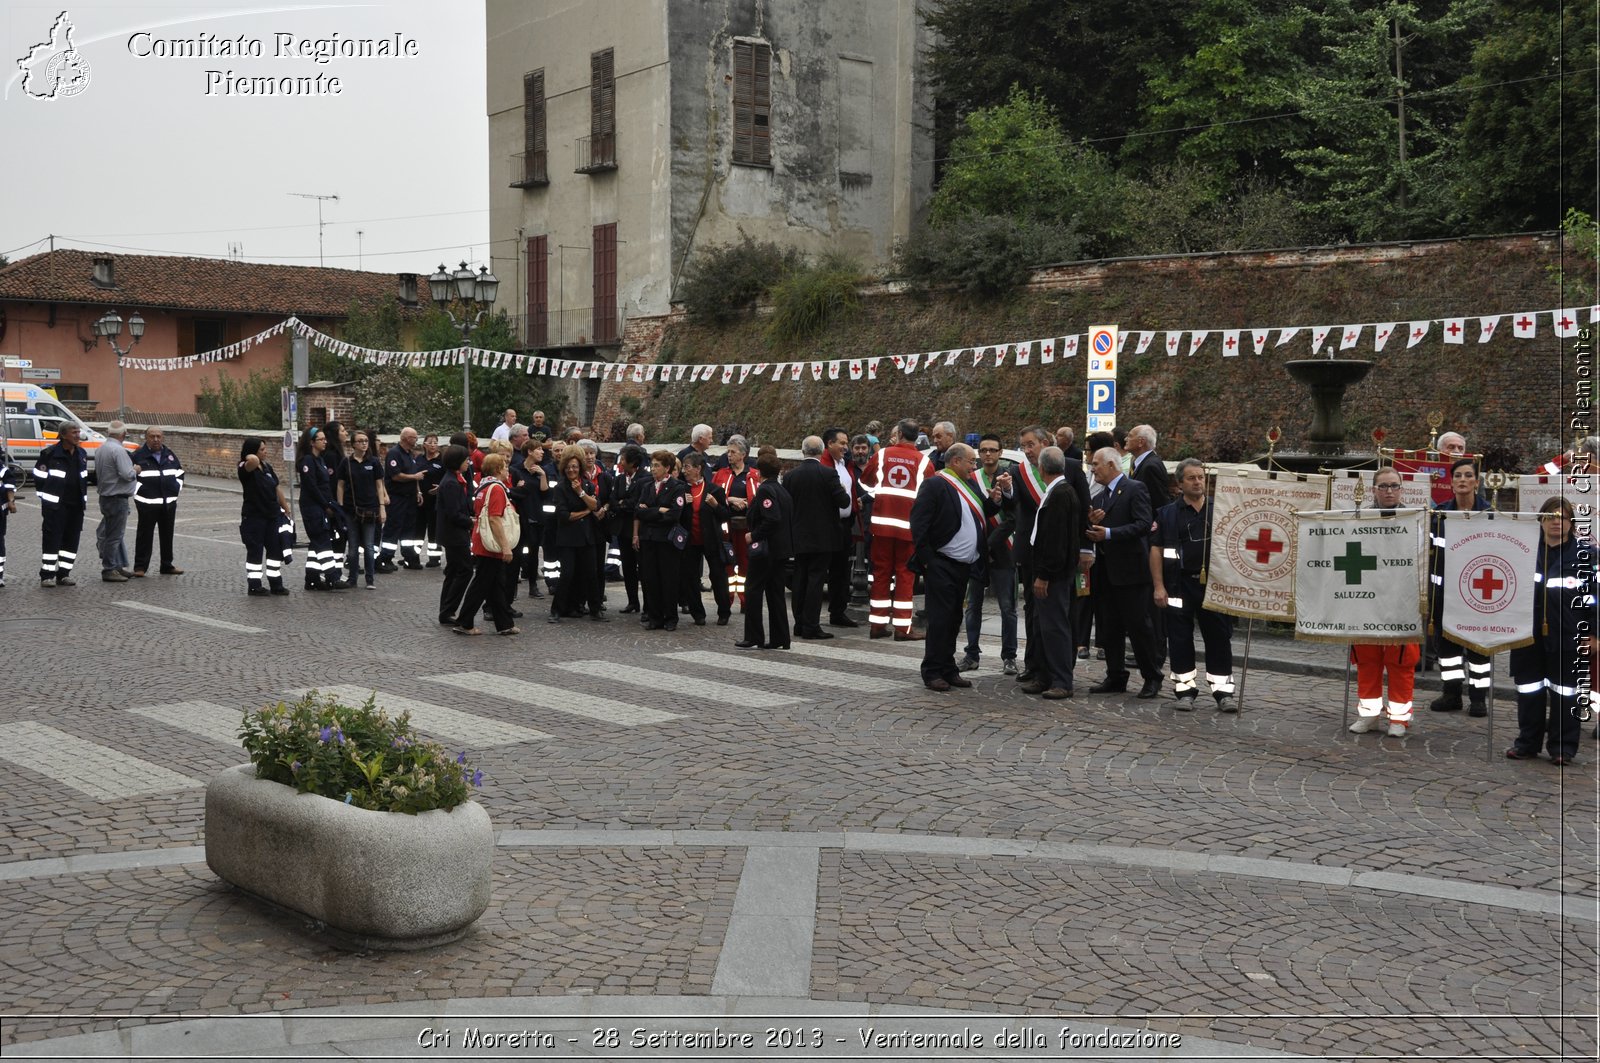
(404, 469)
(947, 533)
(818, 496)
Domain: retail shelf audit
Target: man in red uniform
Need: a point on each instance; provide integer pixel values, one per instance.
(893, 476)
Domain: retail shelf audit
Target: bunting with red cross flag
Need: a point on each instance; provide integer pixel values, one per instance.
(1490, 560)
(1359, 576)
(1251, 562)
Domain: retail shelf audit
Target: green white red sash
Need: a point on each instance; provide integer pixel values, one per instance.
(986, 485)
(1031, 480)
(968, 493)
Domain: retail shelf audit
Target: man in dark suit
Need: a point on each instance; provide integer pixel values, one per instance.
(1147, 466)
(818, 497)
(1024, 489)
(836, 456)
(947, 523)
(1122, 577)
(632, 477)
(1055, 564)
(1065, 439)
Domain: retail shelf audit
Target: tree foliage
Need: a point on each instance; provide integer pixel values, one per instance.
(984, 256)
(255, 402)
(724, 281)
(1301, 106)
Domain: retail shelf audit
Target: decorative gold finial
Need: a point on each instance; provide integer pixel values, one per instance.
(1435, 422)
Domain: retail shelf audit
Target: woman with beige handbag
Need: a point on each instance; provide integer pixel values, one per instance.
(495, 533)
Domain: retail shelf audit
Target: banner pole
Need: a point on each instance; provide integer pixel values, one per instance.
(1344, 720)
(1244, 674)
(1488, 739)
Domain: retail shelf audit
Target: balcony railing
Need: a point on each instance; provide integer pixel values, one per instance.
(572, 327)
(530, 169)
(596, 154)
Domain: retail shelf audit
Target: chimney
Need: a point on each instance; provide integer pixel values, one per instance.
(105, 275)
(408, 289)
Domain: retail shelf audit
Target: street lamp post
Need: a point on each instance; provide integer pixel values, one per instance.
(109, 328)
(472, 289)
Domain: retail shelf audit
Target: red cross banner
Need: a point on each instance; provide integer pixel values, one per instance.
(1250, 570)
(1534, 488)
(1416, 489)
(1488, 591)
(1359, 577)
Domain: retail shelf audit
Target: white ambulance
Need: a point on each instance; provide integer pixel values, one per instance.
(33, 420)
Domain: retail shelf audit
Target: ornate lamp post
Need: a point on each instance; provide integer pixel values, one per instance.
(109, 328)
(472, 289)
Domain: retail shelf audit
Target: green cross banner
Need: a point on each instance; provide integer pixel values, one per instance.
(1360, 577)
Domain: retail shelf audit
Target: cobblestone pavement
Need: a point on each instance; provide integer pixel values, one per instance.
(1261, 882)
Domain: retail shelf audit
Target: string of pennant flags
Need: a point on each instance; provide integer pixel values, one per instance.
(1565, 323)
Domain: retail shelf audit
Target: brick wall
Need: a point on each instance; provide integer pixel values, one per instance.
(1507, 395)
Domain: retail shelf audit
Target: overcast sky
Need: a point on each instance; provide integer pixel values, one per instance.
(154, 155)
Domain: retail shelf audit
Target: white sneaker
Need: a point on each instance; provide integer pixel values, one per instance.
(1364, 724)
(1398, 730)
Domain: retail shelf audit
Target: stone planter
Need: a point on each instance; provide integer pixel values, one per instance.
(382, 880)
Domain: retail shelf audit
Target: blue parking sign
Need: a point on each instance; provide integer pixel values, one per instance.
(1102, 396)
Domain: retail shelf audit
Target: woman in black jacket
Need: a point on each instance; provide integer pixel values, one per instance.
(453, 531)
(317, 510)
(530, 487)
(771, 546)
(659, 512)
(574, 538)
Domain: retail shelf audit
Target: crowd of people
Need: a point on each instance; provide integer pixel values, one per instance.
(1107, 547)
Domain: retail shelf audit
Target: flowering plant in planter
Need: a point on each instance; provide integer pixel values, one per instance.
(358, 755)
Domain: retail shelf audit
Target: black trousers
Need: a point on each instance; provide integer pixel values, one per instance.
(809, 572)
(457, 575)
(401, 527)
(487, 590)
(577, 587)
(153, 517)
(1058, 653)
(689, 579)
(764, 585)
(1124, 615)
(1031, 659)
(839, 587)
(630, 566)
(1216, 632)
(63, 526)
(658, 567)
(944, 590)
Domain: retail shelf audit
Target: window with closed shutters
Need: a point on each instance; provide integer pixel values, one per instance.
(534, 168)
(752, 103)
(605, 283)
(538, 291)
(602, 109)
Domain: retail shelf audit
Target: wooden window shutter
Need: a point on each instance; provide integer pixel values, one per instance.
(605, 283)
(752, 103)
(185, 337)
(538, 291)
(533, 111)
(602, 106)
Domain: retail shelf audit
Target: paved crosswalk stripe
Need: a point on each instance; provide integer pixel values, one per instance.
(101, 773)
(798, 673)
(204, 718)
(678, 683)
(479, 732)
(882, 660)
(193, 618)
(557, 699)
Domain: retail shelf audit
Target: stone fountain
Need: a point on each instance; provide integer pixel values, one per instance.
(1325, 442)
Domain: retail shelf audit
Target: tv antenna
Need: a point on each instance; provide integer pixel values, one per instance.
(235, 250)
(359, 235)
(319, 199)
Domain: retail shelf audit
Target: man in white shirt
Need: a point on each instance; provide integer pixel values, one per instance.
(503, 430)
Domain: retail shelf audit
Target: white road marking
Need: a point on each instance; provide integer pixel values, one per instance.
(557, 699)
(101, 773)
(882, 660)
(204, 718)
(479, 732)
(764, 665)
(192, 618)
(675, 681)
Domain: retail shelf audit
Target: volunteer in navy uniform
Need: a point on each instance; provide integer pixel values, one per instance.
(403, 472)
(633, 476)
(659, 512)
(262, 514)
(432, 474)
(704, 510)
(1550, 672)
(316, 512)
(155, 501)
(1177, 564)
(1457, 664)
(8, 504)
(771, 545)
(361, 493)
(61, 476)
